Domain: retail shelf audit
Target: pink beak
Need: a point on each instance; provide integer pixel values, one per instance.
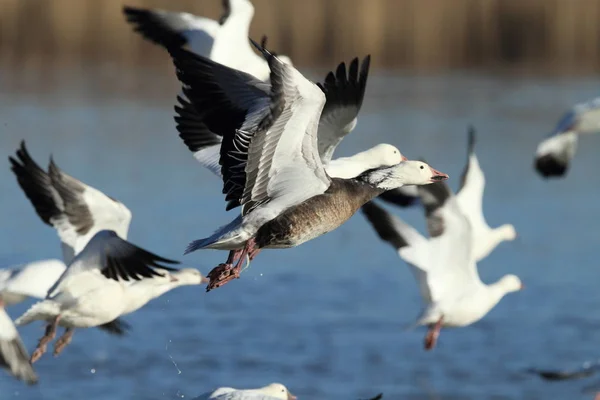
(438, 176)
(291, 396)
(204, 280)
(404, 158)
(173, 279)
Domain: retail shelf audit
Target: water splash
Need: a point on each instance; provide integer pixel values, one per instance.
(171, 357)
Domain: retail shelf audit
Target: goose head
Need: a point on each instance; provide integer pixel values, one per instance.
(404, 173)
(278, 391)
(188, 276)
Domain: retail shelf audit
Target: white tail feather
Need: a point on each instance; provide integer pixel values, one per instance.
(41, 311)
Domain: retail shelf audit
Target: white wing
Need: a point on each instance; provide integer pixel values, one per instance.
(470, 194)
(344, 93)
(13, 355)
(174, 29)
(448, 257)
(33, 279)
(283, 160)
(269, 131)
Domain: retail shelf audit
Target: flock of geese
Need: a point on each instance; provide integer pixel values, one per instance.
(270, 134)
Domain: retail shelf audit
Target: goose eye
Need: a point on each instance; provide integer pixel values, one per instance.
(422, 167)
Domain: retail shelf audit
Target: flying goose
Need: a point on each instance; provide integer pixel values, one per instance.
(224, 41)
(443, 265)
(93, 289)
(274, 170)
(554, 153)
(77, 212)
(469, 200)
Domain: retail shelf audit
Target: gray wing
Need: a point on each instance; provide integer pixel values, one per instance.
(384, 224)
(433, 197)
(13, 355)
(404, 196)
(470, 152)
(117, 327)
(344, 93)
(36, 184)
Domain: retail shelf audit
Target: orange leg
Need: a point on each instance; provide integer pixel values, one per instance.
(433, 334)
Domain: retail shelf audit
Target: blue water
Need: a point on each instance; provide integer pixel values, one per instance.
(327, 318)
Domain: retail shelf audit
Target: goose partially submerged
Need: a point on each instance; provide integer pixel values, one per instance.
(443, 265)
(275, 170)
(13, 355)
(274, 391)
(93, 290)
(224, 41)
(554, 154)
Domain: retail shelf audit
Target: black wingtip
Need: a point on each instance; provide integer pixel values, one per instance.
(378, 397)
(472, 138)
(266, 53)
(549, 166)
(263, 41)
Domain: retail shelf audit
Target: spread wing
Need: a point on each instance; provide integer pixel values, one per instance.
(199, 139)
(116, 259)
(344, 93)
(173, 29)
(224, 98)
(470, 194)
(13, 355)
(77, 211)
(269, 131)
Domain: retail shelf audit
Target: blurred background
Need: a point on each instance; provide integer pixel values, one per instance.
(327, 318)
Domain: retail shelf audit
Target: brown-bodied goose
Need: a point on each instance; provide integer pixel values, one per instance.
(224, 41)
(286, 196)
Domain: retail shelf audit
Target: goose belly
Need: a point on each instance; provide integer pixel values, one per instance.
(306, 221)
(94, 308)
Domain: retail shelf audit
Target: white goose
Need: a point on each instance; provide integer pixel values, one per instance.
(344, 93)
(13, 355)
(443, 265)
(469, 200)
(274, 170)
(77, 211)
(274, 391)
(554, 153)
(224, 41)
(93, 289)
